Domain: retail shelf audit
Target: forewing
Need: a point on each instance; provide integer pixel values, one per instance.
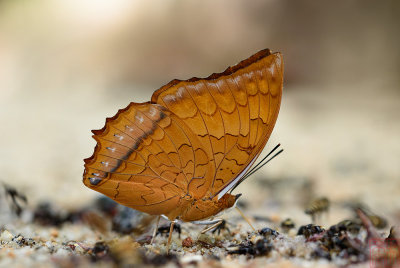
(232, 113)
(145, 158)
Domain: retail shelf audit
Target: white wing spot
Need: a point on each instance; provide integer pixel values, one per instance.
(118, 136)
(271, 69)
(152, 111)
(129, 128)
(139, 118)
(197, 88)
(169, 98)
(180, 91)
(104, 163)
(94, 181)
(112, 149)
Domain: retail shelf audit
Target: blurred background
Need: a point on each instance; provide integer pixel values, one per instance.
(67, 65)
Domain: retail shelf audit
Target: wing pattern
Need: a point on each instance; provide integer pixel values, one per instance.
(232, 113)
(145, 157)
(192, 139)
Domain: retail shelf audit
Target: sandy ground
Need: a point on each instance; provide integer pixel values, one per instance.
(337, 144)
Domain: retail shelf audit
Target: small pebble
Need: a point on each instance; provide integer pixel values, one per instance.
(6, 236)
(79, 249)
(187, 242)
(54, 233)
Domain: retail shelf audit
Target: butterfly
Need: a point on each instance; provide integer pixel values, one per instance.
(180, 154)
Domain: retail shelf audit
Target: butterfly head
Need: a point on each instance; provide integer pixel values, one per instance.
(228, 201)
(236, 199)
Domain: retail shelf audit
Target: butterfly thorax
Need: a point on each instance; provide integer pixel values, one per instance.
(205, 208)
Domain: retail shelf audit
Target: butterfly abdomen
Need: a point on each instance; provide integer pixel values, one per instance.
(205, 208)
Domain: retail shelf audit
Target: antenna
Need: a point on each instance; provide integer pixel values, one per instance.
(260, 164)
(265, 157)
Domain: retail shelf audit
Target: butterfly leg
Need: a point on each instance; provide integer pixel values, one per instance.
(223, 225)
(208, 228)
(171, 228)
(208, 225)
(155, 230)
(245, 218)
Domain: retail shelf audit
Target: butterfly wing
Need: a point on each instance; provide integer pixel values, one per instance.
(231, 113)
(194, 138)
(146, 159)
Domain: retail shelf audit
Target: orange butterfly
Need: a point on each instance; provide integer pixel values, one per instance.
(179, 154)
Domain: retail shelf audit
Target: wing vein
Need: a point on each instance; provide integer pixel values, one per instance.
(151, 153)
(259, 105)
(205, 125)
(191, 144)
(157, 203)
(180, 161)
(140, 156)
(155, 142)
(223, 125)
